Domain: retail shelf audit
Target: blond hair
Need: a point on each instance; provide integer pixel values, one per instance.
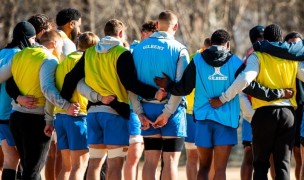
(86, 40)
(48, 36)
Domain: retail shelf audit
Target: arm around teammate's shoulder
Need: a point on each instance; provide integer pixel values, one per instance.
(243, 79)
(128, 76)
(72, 78)
(186, 83)
(47, 83)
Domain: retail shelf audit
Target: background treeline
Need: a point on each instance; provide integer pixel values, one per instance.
(197, 19)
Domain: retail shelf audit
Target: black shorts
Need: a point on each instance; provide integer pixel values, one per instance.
(298, 117)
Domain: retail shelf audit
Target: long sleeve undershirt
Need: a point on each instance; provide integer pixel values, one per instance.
(88, 92)
(187, 83)
(47, 83)
(126, 73)
(248, 75)
(174, 101)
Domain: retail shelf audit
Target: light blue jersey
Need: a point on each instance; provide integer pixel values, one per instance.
(133, 45)
(163, 52)
(6, 56)
(211, 82)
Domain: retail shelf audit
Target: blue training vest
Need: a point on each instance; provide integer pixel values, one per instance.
(211, 82)
(155, 55)
(6, 56)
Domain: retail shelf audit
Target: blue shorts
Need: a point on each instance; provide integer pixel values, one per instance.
(246, 131)
(6, 134)
(210, 134)
(71, 132)
(176, 125)
(107, 128)
(134, 125)
(190, 129)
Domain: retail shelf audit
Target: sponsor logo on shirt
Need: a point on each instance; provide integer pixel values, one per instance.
(152, 46)
(217, 75)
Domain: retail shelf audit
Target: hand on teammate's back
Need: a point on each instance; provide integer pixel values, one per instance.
(107, 99)
(162, 81)
(215, 102)
(161, 94)
(27, 101)
(288, 93)
(73, 109)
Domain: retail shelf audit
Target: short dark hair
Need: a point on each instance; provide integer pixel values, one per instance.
(256, 32)
(113, 27)
(273, 33)
(220, 37)
(292, 35)
(167, 15)
(207, 42)
(66, 15)
(40, 22)
(149, 26)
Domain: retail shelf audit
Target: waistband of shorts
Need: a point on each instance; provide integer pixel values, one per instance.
(182, 103)
(154, 101)
(101, 108)
(79, 114)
